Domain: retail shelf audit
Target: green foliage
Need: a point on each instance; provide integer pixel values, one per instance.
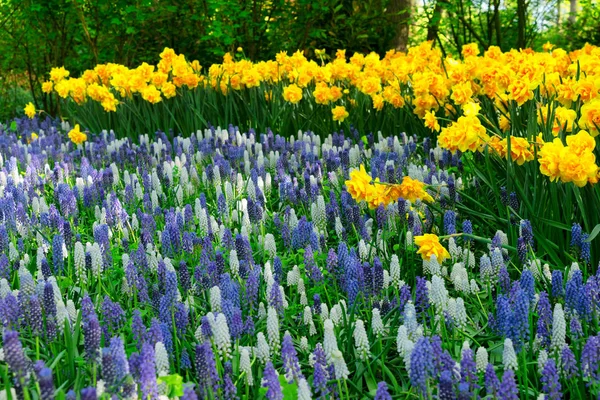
(79, 34)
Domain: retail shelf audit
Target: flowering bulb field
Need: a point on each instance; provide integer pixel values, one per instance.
(446, 253)
(242, 265)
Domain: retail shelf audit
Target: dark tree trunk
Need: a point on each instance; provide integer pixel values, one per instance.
(521, 23)
(573, 12)
(399, 11)
(434, 23)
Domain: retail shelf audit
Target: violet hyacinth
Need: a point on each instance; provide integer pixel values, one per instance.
(568, 363)
(446, 386)
(382, 392)
(206, 370)
(590, 358)
(468, 373)
(89, 393)
(147, 382)
(271, 382)
(508, 390)
(290, 359)
(421, 364)
(492, 383)
(551, 381)
(15, 357)
(44, 377)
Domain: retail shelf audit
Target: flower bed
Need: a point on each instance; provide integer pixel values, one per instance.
(242, 265)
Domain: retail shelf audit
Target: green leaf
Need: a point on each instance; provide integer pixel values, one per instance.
(174, 383)
(594, 233)
(290, 390)
(13, 126)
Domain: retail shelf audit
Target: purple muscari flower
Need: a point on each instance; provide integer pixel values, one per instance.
(311, 266)
(557, 284)
(229, 389)
(527, 232)
(544, 323)
(527, 283)
(551, 381)
(421, 363)
(164, 310)
(421, 297)
(34, 316)
(4, 267)
(187, 242)
(568, 362)
(50, 309)
(10, 311)
(147, 380)
(189, 394)
(170, 287)
(522, 250)
(576, 233)
(205, 326)
(446, 386)
(290, 359)
(206, 369)
(101, 237)
(316, 303)
(227, 239)
(382, 392)
(220, 262)
(468, 372)
(46, 268)
(91, 338)
(404, 296)
(275, 298)
(575, 296)
(590, 358)
(496, 242)
(181, 319)
(134, 365)
(249, 326)
(380, 216)
(585, 248)
(575, 327)
(442, 359)
(154, 334)
(271, 382)
(166, 330)
(71, 395)
(320, 379)
(138, 328)
(504, 279)
(332, 261)
(14, 355)
(503, 315)
(518, 328)
(252, 285)
(4, 239)
(508, 390)
(57, 253)
(513, 201)
(301, 234)
(120, 364)
(467, 227)
(450, 222)
(377, 276)
(353, 290)
(184, 276)
(185, 362)
(114, 316)
(88, 393)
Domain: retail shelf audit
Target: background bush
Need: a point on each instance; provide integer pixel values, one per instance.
(36, 35)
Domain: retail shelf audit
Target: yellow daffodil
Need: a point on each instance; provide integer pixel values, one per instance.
(77, 136)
